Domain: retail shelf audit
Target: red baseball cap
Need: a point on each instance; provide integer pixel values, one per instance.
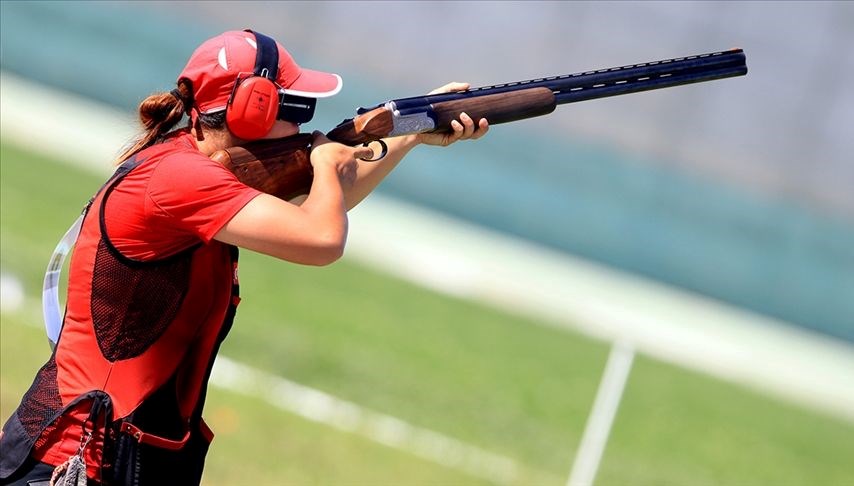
(214, 66)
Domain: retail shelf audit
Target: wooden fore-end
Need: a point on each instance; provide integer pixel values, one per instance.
(367, 127)
(497, 108)
(280, 167)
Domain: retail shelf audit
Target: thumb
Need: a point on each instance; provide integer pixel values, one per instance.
(451, 88)
(363, 152)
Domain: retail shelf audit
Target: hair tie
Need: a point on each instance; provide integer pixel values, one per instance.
(177, 94)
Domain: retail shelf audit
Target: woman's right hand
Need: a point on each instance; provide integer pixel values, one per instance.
(312, 233)
(338, 157)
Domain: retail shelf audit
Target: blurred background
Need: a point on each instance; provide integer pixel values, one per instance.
(462, 338)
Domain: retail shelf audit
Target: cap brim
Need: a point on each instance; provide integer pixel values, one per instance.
(315, 84)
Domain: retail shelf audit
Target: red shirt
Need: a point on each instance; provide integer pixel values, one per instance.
(168, 205)
(175, 199)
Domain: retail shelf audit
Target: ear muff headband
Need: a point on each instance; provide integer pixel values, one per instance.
(254, 103)
(266, 57)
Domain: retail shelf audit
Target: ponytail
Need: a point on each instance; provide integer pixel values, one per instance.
(159, 113)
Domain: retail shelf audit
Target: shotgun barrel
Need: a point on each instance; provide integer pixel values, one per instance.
(601, 83)
(518, 100)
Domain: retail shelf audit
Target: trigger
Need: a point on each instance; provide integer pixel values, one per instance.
(382, 154)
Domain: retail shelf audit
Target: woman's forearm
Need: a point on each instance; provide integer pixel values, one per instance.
(370, 174)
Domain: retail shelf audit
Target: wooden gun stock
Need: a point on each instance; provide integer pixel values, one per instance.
(364, 128)
(280, 167)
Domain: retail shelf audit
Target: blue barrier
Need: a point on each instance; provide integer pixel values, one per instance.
(768, 255)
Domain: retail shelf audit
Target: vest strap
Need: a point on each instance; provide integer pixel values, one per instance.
(154, 440)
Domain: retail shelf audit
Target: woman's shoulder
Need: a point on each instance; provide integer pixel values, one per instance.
(177, 143)
(179, 155)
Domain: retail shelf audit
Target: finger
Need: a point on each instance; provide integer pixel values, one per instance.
(468, 125)
(482, 128)
(451, 87)
(457, 86)
(364, 153)
(455, 135)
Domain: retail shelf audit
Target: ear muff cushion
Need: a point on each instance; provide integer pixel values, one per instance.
(253, 108)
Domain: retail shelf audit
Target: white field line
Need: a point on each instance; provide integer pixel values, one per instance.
(568, 292)
(12, 295)
(602, 415)
(321, 407)
(454, 257)
(346, 416)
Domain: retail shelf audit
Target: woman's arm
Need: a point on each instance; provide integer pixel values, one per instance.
(313, 230)
(370, 174)
(313, 233)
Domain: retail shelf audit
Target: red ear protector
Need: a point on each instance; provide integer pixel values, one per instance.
(254, 102)
(257, 101)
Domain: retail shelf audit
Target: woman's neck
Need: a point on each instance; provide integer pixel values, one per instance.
(213, 140)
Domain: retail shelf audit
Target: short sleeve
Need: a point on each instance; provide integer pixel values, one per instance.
(192, 193)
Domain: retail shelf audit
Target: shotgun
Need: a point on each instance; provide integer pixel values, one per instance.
(282, 167)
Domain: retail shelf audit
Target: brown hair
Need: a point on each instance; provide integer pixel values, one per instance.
(159, 113)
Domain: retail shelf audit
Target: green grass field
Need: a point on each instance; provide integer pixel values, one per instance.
(501, 382)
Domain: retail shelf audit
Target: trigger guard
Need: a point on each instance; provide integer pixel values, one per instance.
(382, 154)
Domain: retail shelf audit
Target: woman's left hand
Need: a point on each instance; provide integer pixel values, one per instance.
(464, 128)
